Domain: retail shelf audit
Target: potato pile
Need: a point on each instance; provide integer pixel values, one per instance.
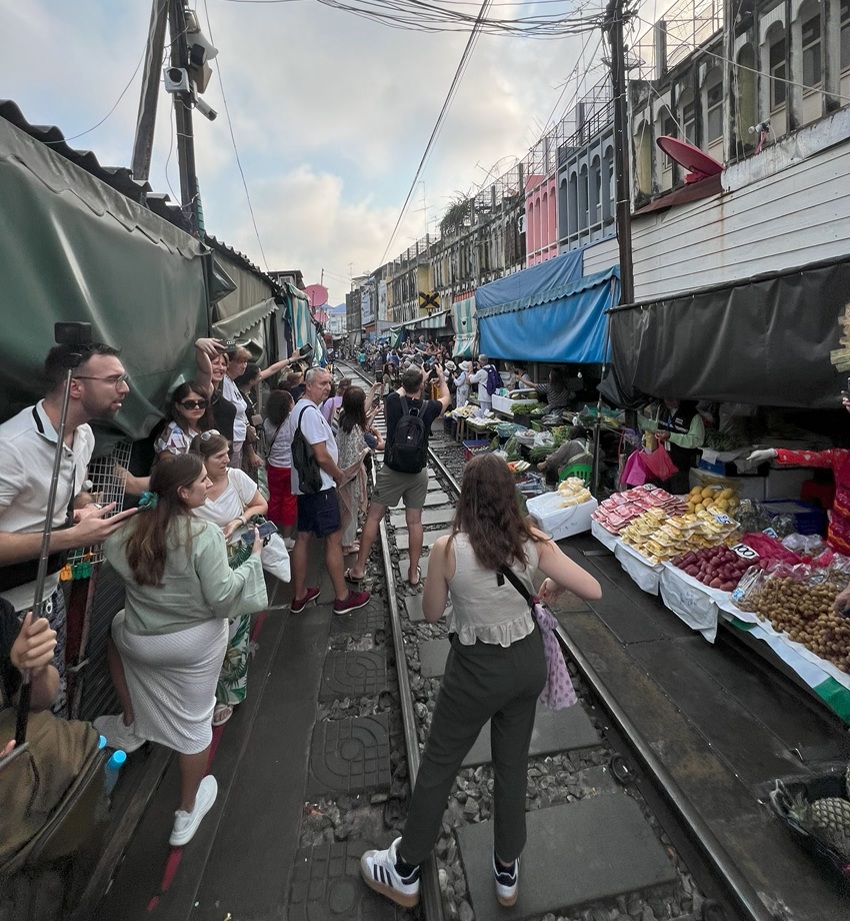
(804, 610)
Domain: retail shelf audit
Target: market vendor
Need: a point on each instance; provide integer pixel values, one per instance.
(519, 379)
(838, 460)
(679, 427)
(555, 394)
(575, 450)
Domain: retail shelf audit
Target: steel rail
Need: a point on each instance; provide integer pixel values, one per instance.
(737, 886)
(430, 894)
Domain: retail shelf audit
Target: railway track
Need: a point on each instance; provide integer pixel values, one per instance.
(618, 749)
(707, 885)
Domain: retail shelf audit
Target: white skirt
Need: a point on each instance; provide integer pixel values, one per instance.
(172, 678)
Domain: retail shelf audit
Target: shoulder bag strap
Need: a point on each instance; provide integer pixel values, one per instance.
(511, 576)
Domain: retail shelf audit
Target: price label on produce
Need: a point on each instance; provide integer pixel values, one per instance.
(770, 533)
(722, 519)
(745, 552)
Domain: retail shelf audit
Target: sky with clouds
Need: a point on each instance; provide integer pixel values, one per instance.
(331, 114)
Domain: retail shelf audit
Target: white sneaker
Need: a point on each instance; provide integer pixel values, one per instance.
(379, 873)
(186, 823)
(507, 883)
(118, 735)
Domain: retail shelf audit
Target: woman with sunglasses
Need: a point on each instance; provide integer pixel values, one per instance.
(185, 419)
(167, 644)
(231, 501)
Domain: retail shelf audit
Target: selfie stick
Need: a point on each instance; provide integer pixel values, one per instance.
(74, 359)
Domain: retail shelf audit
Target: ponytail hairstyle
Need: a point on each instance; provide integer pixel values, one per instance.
(488, 513)
(146, 547)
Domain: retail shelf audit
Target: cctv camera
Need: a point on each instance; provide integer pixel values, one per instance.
(206, 110)
(176, 79)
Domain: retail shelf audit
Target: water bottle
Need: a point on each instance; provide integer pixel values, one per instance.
(113, 769)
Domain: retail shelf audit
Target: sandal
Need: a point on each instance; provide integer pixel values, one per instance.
(418, 581)
(221, 714)
(351, 549)
(353, 579)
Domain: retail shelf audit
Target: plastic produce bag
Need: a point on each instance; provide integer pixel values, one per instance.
(659, 465)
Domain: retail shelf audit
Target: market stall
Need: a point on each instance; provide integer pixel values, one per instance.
(754, 571)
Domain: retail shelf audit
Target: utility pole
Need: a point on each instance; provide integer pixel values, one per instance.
(189, 196)
(613, 25)
(146, 119)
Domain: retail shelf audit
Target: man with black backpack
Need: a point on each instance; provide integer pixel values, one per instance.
(404, 474)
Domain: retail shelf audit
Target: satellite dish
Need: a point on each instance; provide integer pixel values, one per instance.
(700, 164)
(317, 295)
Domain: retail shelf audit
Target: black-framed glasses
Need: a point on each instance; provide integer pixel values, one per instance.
(205, 436)
(114, 380)
(193, 404)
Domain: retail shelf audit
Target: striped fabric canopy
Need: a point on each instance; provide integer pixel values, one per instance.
(465, 325)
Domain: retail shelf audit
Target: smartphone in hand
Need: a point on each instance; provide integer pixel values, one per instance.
(266, 529)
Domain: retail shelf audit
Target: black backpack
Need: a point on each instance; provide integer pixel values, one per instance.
(409, 451)
(304, 461)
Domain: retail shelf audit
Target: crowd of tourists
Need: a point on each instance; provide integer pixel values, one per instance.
(192, 557)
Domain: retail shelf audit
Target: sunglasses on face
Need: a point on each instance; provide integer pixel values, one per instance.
(193, 404)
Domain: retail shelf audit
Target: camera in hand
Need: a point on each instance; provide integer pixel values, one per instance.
(266, 529)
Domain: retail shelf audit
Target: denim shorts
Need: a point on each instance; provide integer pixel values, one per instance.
(319, 513)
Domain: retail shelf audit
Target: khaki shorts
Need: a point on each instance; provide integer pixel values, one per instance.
(392, 486)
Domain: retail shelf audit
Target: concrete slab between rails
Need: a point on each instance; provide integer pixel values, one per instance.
(326, 884)
(435, 497)
(350, 756)
(430, 516)
(353, 674)
(554, 731)
(404, 565)
(577, 854)
(433, 483)
(402, 538)
(432, 658)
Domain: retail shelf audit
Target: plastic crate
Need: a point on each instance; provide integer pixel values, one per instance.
(471, 448)
(808, 519)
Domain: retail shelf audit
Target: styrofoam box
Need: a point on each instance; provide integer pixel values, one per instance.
(786, 482)
(558, 521)
(504, 404)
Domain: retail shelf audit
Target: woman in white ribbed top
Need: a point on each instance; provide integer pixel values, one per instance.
(495, 671)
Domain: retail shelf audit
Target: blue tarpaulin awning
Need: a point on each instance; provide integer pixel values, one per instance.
(550, 312)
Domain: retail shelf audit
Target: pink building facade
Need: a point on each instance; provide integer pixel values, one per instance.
(541, 218)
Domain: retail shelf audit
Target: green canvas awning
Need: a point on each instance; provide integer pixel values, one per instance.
(245, 320)
(74, 249)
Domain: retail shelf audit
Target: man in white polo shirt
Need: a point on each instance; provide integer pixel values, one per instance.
(27, 450)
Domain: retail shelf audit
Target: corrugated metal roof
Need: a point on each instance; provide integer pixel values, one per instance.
(119, 178)
(219, 245)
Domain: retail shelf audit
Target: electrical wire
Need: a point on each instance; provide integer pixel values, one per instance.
(73, 137)
(423, 16)
(235, 148)
(461, 68)
(170, 151)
